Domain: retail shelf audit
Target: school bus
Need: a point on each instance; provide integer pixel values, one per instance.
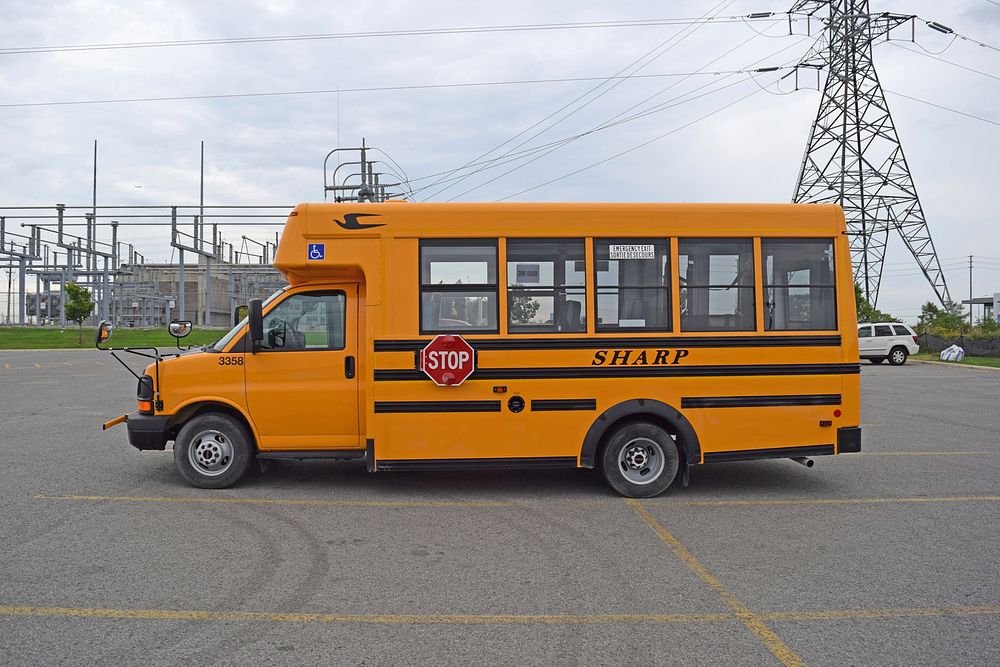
(639, 339)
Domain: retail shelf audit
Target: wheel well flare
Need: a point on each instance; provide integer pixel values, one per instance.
(641, 409)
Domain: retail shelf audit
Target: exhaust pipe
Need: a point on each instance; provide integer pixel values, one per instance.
(807, 462)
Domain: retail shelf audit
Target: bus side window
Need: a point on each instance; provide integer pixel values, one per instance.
(458, 286)
(716, 284)
(306, 321)
(799, 285)
(633, 284)
(546, 286)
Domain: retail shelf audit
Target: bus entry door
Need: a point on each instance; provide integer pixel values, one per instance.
(302, 384)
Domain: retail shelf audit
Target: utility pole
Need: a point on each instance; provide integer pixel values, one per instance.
(970, 293)
(854, 156)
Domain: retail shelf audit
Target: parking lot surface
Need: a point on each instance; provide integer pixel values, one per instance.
(889, 557)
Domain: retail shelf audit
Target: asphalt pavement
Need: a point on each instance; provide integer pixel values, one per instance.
(889, 557)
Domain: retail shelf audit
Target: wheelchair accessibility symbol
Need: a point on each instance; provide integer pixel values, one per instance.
(317, 251)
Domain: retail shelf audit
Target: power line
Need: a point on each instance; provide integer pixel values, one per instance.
(940, 106)
(934, 25)
(662, 107)
(944, 60)
(634, 64)
(614, 121)
(532, 27)
(634, 148)
(372, 89)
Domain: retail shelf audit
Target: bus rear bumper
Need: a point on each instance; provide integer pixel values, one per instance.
(147, 431)
(849, 440)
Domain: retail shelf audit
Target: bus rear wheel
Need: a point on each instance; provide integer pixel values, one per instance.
(213, 451)
(640, 460)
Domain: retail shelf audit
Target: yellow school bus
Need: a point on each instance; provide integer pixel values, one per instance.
(639, 339)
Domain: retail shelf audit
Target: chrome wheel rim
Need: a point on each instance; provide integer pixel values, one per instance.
(211, 453)
(898, 356)
(641, 461)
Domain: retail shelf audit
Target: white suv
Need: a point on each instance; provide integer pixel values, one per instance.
(886, 340)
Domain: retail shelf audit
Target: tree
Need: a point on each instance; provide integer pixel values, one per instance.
(868, 312)
(944, 322)
(79, 305)
(523, 309)
(987, 327)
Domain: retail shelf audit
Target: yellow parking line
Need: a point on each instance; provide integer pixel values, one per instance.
(826, 501)
(483, 619)
(903, 612)
(939, 453)
(504, 503)
(389, 619)
(754, 622)
(277, 501)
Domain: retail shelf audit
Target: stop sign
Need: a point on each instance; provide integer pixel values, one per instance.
(448, 360)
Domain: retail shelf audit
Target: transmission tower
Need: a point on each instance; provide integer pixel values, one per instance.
(854, 157)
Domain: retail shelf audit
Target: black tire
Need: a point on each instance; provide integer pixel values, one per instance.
(876, 360)
(636, 447)
(213, 451)
(898, 355)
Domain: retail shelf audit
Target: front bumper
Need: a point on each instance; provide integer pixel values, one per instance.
(147, 431)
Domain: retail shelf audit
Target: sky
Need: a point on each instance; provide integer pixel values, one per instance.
(710, 145)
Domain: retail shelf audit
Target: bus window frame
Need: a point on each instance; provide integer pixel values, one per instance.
(756, 278)
(494, 242)
(311, 292)
(549, 331)
(833, 286)
(667, 289)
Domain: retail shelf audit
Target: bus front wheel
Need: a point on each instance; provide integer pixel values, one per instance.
(640, 460)
(213, 451)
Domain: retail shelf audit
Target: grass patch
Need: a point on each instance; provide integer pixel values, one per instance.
(968, 361)
(50, 338)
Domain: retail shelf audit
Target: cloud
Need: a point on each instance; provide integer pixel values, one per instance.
(269, 150)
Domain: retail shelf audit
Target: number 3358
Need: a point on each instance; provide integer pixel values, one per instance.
(230, 361)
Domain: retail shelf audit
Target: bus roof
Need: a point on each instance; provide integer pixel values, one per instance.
(321, 223)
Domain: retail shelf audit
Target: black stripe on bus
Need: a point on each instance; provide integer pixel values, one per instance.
(776, 453)
(436, 406)
(593, 343)
(554, 404)
(759, 401)
(594, 372)
(465, 464)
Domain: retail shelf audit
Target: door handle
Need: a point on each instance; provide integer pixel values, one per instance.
(349, 367)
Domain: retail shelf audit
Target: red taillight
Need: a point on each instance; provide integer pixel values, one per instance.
(916, 339)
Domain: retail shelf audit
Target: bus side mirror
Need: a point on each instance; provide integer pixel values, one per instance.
(239, 313)
(255, 318)
(179, 328)
(104, 330)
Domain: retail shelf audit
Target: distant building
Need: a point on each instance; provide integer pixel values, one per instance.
(990, 306)
(147, 295)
